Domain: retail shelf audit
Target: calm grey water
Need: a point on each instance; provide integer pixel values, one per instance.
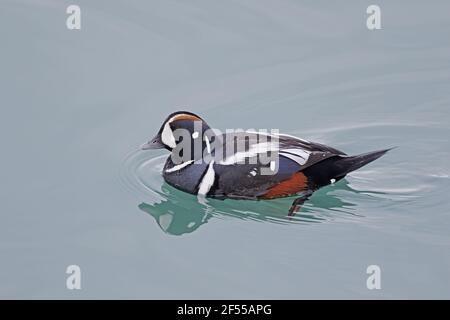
(75, 106)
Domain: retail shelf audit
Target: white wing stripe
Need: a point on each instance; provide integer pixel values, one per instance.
(299, 160)
(297, 152)
(253, 151)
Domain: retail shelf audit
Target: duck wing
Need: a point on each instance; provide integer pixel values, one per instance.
(305, 153)
(240, 174)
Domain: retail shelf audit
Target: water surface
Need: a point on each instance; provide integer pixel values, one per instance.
(77, 104)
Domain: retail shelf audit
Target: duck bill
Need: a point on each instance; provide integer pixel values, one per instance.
(155, 143)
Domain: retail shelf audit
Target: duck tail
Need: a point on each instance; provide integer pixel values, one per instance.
(348, 164)
(336, 168)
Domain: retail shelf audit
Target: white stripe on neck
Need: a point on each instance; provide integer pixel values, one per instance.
(179, 166)
(207, 181)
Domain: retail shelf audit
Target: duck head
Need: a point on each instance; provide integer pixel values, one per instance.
(180, 126)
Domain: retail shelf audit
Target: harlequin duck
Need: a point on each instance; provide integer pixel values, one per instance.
(248, 164)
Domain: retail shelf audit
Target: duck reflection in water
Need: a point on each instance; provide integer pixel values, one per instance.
(180, 213)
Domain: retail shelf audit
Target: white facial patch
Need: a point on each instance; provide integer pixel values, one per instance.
(208, 145)
(167, 136)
